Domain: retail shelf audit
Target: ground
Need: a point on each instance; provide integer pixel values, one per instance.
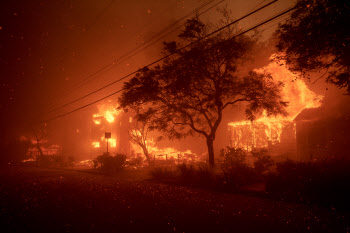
(58, 200)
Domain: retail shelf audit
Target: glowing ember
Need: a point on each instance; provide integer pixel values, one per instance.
(265, 130)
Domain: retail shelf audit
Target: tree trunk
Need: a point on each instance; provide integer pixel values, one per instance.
(210, 144)
(145, 151)
(39, 149)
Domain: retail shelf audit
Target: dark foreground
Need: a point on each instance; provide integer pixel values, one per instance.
(42, 200)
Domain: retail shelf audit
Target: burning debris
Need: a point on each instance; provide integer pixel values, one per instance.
(168, 153)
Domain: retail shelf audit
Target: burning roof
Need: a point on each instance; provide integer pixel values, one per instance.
(266, 131)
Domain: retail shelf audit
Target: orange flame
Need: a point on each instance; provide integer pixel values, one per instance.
(112, 142)
(96, 144)
(247, 135)
(163, 153)
(106, 111)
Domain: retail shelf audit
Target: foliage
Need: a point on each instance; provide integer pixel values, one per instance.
(324, 182)
(189, 92)
(233, 156)
(186, 172)
(316, 37)
(136, 162)
(236, 173)
(264, 161)
(108, 163)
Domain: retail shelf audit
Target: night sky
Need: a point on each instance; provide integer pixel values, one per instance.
(49, 49)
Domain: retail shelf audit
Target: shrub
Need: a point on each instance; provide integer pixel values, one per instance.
(136, 162)
(236, 172)
(323, 182)
(264, 161)
(109, 163)
(186, 172)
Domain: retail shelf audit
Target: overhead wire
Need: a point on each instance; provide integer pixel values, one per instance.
(239, 34)
(144, 46)
(164, 57)
(137, 49)
(99, 15)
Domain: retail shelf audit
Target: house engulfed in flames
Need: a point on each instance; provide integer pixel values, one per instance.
(110, 119)
(277, 134)
(118, 123)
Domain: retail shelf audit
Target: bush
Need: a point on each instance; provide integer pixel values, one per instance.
(322, 182)
(186, 172)
(264, 161)
(236, 173)
(196, 175)
(108, 163)
(136, 162)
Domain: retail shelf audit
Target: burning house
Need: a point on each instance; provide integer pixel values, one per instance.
(276, 133)
(110, 119)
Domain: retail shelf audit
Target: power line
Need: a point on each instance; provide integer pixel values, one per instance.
(99, 15)
(152, 63)
(114, 93)
(144, 46)
(128, 54)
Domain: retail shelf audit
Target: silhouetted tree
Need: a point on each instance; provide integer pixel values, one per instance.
(317, 37)
(188, 93)
(39, 133)
(138, 135)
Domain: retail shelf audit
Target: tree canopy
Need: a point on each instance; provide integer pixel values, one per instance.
(317, 37)
(189, 92)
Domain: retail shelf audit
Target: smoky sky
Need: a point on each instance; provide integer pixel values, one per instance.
(50, 48)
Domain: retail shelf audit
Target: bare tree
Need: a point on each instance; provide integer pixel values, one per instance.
(40, 133)
(138, 134)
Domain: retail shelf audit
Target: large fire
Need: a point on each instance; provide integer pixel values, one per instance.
(105, 118)
(107, 112)
(166, 153)
(267, 131)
